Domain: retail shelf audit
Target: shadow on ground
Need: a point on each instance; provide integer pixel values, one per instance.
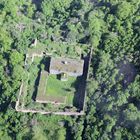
(79, 97)
(37, 3)
(46, 63)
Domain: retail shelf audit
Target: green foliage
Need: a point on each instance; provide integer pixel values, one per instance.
(124, 9)
(5, 40)
(52, 7)
(111, 27)
(113, 101)
(16, 58)
(38, 134)
(10, 7)
(132, 113)
(96, 25)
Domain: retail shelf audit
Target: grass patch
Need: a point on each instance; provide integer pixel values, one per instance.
(61, 89)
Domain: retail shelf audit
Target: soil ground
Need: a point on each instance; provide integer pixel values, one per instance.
(129, 72)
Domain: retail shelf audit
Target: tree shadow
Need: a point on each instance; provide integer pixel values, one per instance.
(36, 86)
(37, 4)
(68, 131)
(77, 96)
(47, 63)
(84, 39)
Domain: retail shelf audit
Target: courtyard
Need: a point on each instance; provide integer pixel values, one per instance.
(53, 84)
(52, 90)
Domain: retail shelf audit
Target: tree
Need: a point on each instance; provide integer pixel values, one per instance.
(96, 25)
(5, 40)
(61, 134)
(92, 86)
(132, 113)
(109, 122)
(124, 9)
(38, 133)
(16, 58)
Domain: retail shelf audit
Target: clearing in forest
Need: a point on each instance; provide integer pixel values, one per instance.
(58, 84)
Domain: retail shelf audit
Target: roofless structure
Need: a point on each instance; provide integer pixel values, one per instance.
(71, 67)
(57, 90)
(65, 68)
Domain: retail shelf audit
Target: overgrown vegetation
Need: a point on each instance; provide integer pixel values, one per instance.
(111, 27)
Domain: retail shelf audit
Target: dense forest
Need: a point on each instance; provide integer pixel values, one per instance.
(112, 28)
